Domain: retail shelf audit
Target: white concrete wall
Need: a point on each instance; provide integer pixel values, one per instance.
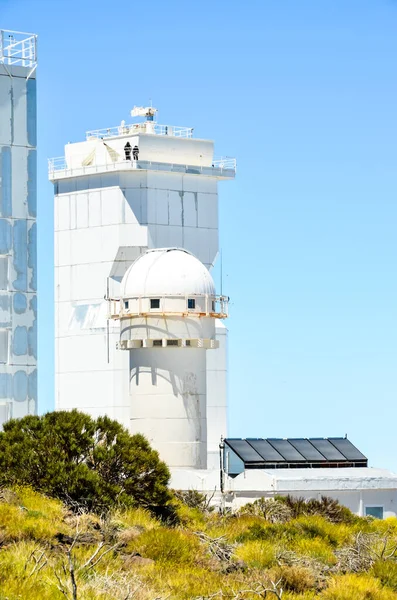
(217, 395)
(155, 148)
(102, 223)
(18, 262)
(355, 488)
(168, 403)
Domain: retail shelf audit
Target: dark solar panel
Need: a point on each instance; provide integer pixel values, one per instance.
(347, 449)
(286, 450)
(307, 450)
(327, 449)
(268, 453)
(244, 450)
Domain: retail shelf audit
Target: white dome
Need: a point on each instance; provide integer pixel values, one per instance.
(167, 272)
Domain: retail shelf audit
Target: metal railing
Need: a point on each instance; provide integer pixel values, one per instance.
(59, 164)
(225, 162)
(18, 48)
(145, 127)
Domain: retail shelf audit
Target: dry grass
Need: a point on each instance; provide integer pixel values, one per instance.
(206, 556)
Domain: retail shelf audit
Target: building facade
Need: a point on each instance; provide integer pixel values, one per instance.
(18, 279)
(109, 209)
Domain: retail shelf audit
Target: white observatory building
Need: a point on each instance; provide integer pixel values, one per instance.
(139, 326)
(110, 208)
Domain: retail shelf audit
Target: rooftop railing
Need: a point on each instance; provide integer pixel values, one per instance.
(145, 127)
(59, 165)
(18, 48)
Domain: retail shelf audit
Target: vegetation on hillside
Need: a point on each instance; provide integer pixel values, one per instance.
(49, 552)
(85, 513)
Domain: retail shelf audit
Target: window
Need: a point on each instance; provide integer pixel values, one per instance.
(126, 303)
(172, 342)
(191, 303)
(374, 511)
(3, 272)
(157, 343)
(3, 346)
(155, 303)
(213, 306)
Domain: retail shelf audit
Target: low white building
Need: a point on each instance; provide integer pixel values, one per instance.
(364, 490)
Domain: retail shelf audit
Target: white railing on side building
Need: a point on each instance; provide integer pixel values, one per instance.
(145, 127)
(18, 48)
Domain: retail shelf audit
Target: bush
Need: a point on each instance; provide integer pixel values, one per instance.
(95, 463)
(386, 572)
(257, 554)
(194, 499)
(167, 546)
(325, 507)
(295, 578)
(315, 548)
(273, 510)
(356, 587)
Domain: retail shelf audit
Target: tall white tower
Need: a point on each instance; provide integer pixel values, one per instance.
(18, 284)
(110, 208)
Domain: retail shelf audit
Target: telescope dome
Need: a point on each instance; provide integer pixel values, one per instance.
(167, 272)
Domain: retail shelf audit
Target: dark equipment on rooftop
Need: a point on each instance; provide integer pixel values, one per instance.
(293, 453)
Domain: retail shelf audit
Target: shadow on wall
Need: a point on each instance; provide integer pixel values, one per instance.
(170, 371)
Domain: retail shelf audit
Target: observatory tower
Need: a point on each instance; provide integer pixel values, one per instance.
(18, 301)
(119, 193)
(167, 310)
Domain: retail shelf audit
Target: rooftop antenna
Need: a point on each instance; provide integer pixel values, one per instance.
(144, 111)
(221, 274)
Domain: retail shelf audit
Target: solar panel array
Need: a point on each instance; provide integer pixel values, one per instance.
(296, 452)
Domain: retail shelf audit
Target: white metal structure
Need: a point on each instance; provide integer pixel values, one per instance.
(167, 322)
(18, 48)
(109, 209)
(18, 301)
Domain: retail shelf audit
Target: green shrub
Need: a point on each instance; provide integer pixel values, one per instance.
(295, 578)
(271, 532)
(318, 527)
(356, 587)
(316, 548)
(386, 572)
(168, 546)
(257, 554)
(95, 463)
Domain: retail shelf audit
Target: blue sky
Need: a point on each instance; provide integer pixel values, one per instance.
(304, 94)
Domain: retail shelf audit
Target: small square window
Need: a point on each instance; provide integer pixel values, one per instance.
(191, 303)
(374, 511)
(172, 342)
(126, 303)
(155, 303)
(3, 272)
(157, 343)
(3, 346)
